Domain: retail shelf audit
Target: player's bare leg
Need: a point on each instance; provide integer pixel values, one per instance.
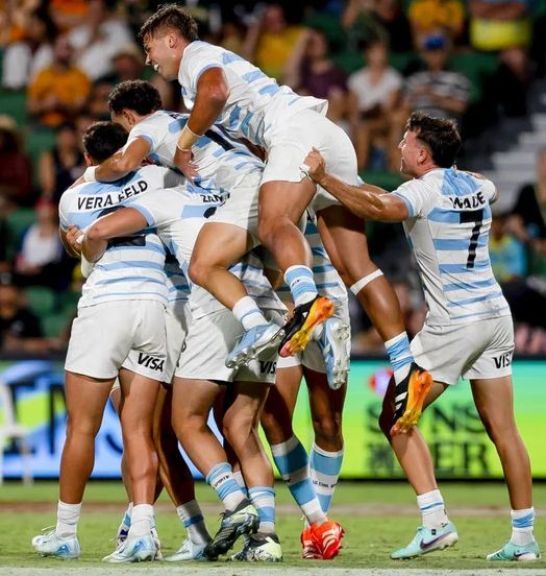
(343, 237)
(413, 454)
(494, 401)
(282, 205)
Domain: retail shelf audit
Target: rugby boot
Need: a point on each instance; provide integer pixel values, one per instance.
(410, 395)
(260, 548)
(299, 329)
(49, 544)
(235, 523)
(516, 553)
(260, 340)
(427, 540)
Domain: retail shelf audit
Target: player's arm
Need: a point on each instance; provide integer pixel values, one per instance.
(123, 162)
(122, 222)
(211, 97)
(365, 201)
(68, 239)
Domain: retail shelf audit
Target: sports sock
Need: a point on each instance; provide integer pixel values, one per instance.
(522, 526)
(142, 520)
(221, 479)
(192, 518)
(248, 313)
(301, 281)
(433, 510)
(263, 498)
(239, 478)
(400, 356)
(324, 468)
(291, 460)
(68, 516)
(126, 522)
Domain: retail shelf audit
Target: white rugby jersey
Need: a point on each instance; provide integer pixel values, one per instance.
(223, 162)
(327, 279)
(448, 229)
(132, 268)
(177, 284)
(256, 103)
(178, 224)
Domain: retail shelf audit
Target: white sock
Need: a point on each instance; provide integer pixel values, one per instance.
(192, 518)
(433, 509)
(142, 520)
(522, 526)
(68, 516)
(127, 516)
(248, 313)
(239, 478)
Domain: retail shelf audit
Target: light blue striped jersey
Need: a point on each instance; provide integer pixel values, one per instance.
(132, 268)
(223, 162)
(177, 285)
(256, 104)
(327, 279)
(178, 222)
(448, 229)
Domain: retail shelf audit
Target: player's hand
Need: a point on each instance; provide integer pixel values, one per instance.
(72, 235)
(183, 160)
(314, 165)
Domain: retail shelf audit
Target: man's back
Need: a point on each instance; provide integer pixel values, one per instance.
(450, 219)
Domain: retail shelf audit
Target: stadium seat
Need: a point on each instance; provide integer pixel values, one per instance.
(54, 324)
(17, 223)
(41, 300)
(11, 430)
(387, 180)
(14, 104)
(37, 141)
(477, 67)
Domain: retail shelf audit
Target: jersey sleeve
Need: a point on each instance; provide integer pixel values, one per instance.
(148, 131)
(490, 191)
(195, 62)
(63, 211)
(417, 197)
(155, 206)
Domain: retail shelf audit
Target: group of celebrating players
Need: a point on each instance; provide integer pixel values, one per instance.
(198, 233)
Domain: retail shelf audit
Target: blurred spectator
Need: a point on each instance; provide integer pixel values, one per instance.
(23, 60)
(428, 16)
(506, 252)
(375, 94)
(528, 220)
(270, 41)
(13, 19)
(232, 36)
(38, 262)
(436, 90)
(366, 20)
(128, 64)
(97, 104)
(15, 167)
(59, 91)
(505, 27)
(311, 72)
(20, 329)
(98, 39)
(68, 13)
(59, 167)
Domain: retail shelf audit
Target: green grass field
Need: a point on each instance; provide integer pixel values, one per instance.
(377, 518)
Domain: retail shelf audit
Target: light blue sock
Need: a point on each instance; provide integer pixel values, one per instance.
(301, 281)
(400, 356)
(291, 460)
(523, 522)
(325, 468)
(220, 477)
(263, 498)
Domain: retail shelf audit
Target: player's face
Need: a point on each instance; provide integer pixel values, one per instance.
(411, 150)
(121, 119)
(162, 55)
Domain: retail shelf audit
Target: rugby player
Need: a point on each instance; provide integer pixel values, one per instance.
(468, 330)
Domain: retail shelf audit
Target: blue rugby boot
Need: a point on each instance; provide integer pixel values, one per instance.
(518, 553)
(427, 540)
(260, 340)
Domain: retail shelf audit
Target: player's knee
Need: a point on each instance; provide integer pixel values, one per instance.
(82, 427)
(275, 431)
(236, 431)
(198, 271)
(269, 229)
(327, 428)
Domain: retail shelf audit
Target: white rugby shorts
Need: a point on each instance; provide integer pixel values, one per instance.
(210, 339)
(479, 350)
(291, 142)
(103, 335)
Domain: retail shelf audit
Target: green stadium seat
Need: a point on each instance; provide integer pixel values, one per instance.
(69, 302)
(349, 62)
(54, 324)
(14, 104)
(477, 67)
(17, 223)
(37, 141)
(41, 300)
(332, 29)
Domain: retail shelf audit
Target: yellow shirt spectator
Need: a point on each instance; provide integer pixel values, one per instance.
(431, 15)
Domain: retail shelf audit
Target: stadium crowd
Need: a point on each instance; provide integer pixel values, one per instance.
(373, 60)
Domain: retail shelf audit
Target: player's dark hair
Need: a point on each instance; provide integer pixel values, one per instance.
(137, 95)
(440, 135)
(170, 16)
(103, 139)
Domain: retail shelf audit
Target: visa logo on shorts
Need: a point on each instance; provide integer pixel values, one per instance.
(151, 362)
(503, 361)
(267, 366)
